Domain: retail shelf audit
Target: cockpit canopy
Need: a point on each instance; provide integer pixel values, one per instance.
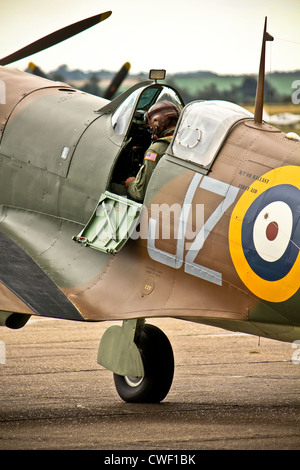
(202, 129)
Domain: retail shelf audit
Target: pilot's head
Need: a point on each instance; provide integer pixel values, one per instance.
(161, 116)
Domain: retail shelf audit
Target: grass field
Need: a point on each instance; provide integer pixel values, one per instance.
(195, 84)
(276, 108)
(281, 82)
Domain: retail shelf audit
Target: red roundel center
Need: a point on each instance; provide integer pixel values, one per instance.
(272, 231)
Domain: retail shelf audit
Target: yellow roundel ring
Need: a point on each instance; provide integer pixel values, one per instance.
(264, 235)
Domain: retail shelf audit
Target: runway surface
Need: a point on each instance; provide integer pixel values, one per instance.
(230, 391)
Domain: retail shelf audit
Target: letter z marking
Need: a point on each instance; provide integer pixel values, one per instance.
(175, 261)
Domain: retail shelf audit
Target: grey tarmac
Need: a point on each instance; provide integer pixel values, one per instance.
(230, 391)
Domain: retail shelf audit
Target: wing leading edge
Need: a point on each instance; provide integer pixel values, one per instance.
(21, 275)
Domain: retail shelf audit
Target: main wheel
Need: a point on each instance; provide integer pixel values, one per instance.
(157, 356)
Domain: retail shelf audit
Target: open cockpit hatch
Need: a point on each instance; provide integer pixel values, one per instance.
(112, 223)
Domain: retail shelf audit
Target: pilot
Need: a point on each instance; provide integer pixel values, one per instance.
(161, 120)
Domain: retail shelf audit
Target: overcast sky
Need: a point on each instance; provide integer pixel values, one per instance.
(223, 36)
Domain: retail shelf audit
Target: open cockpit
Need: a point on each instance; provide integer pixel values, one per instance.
(128, 120)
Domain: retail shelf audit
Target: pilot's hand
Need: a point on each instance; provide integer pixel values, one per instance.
(128, 181)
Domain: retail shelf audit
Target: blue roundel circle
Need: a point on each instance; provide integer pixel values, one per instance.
(271, 232)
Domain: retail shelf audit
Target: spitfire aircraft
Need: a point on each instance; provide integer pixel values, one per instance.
(215, 240)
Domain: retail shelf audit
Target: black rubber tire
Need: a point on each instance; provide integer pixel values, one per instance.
(158, 360)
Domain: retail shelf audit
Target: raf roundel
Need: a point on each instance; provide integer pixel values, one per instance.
(264, 235)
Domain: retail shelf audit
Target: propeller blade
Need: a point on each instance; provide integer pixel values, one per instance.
(36, 70)
(55, 38)
(117, 80)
